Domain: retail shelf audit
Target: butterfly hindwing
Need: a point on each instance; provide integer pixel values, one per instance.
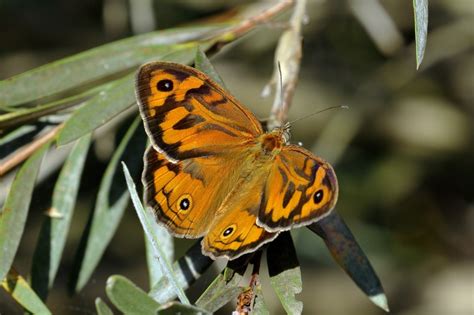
(301, 188)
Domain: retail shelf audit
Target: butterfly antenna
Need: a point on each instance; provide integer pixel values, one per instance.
(319, 112)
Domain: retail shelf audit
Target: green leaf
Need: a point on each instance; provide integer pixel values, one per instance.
(420, 9)
(55, 228)
(173, 308)
(151, 235)
(111, 202)
(221, 291)
(166, 239)
(21, 292)
(115, 99)
(285, 273)
(15, 210)
(259, 307)
(97, 63)
(129, 298)
(102, 307)
(202, 63)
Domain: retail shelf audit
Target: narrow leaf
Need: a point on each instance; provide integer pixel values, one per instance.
(21, 292)
(173, 308)
(96, 63)
(15, 210)
(259, 307)
(55, 228)
(115, 99)
(420, 9)
(285, 273)
(154, 270)
(102, 308)
(221, 291)
(129, 298)
(186, 271)
(111, 202)
(348, 254)
(202, 63)
(150, 234)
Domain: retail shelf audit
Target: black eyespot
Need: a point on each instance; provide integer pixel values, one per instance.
(228, 231)
(164, 85)
(318, 196)
(184, 204)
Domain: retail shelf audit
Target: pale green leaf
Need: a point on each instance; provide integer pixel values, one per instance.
(102, 308)
(420, 9)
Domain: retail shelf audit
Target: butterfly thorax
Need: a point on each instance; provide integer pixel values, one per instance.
(272, 142)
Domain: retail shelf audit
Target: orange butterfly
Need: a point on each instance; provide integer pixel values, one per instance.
(213, 172)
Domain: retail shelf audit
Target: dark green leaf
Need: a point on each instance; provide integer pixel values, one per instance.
(129, 298)
(21, 292)
(111, 202)
(55, 228)
(420, 9)
(15, 209)
(348, 254)
(285, 273)
(146, 217)
(202, 63)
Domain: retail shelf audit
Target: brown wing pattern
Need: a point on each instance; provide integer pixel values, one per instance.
(301, 188)
(187, 115)
(180, 194)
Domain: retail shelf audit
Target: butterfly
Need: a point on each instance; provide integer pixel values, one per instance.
(213, 172)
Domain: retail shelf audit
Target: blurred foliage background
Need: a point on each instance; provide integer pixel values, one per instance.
(403, 152)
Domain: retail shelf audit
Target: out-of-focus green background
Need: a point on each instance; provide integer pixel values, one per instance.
(403, 152)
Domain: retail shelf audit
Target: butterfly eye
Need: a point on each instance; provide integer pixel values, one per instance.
(318, 196)
(184, 203)
(228, 231)
(164, 85)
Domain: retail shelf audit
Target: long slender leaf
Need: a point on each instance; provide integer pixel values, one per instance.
(15, 209)
(285, 273)
(259, 308)
(96, 63)
(129, 298)
(154, 270)
(55, 228)
(350, 256)
(202, 63)
(102, 308)
(111, 202)
(111, 102)
(147, 227)
(420, 9)
(222, 290)
(19, 289)
(173, 308)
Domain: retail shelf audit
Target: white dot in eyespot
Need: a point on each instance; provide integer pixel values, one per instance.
(300, 143)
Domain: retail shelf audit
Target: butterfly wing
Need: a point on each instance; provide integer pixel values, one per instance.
(187, 115)
(183, 195)
(301, 188)
(237, 233)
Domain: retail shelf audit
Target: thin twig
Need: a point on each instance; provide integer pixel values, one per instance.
(288, 58)
(25, 152)
(249, 24)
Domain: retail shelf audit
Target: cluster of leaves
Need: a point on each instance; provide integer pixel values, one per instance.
(87, 91)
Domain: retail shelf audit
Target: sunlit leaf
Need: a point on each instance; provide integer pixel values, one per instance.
(111, 202)
(285, 273)
(259, 307)
(420, 9)
(202, 63)
(97, 63)
(129, 298)
(15, 210)
(221, 291)
(55, 228)
(166, 239)
(153, 238)
(21, 292)
(173, 308)
(102, 308)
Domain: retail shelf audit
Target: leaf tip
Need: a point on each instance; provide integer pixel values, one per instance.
(381, 301)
